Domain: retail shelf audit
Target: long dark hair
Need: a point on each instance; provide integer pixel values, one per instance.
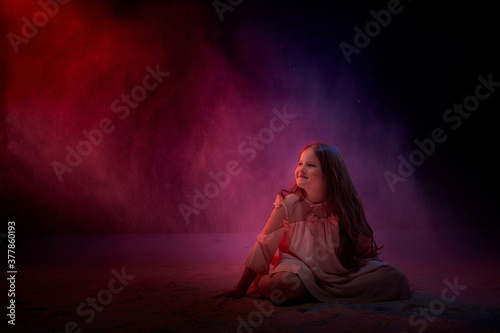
(342, 200)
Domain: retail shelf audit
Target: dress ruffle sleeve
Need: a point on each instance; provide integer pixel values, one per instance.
(260, 256)
(262, 253)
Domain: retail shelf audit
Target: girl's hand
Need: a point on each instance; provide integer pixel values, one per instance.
(233, 293)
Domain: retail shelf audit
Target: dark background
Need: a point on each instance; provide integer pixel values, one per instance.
(225, 79)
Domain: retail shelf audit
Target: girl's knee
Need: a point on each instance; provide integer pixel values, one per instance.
(289, 286)
(291, 280)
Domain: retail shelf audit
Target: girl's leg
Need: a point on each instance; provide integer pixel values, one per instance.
(283, 287)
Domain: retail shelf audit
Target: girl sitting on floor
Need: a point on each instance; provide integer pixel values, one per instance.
(326, 248)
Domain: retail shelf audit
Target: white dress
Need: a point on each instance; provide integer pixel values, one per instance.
(306, 241)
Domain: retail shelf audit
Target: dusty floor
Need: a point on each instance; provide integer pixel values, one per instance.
(166, 283)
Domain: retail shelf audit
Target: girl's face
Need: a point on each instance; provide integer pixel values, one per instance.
(308, 174)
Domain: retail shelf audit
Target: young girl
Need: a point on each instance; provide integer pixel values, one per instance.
(326, 247)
